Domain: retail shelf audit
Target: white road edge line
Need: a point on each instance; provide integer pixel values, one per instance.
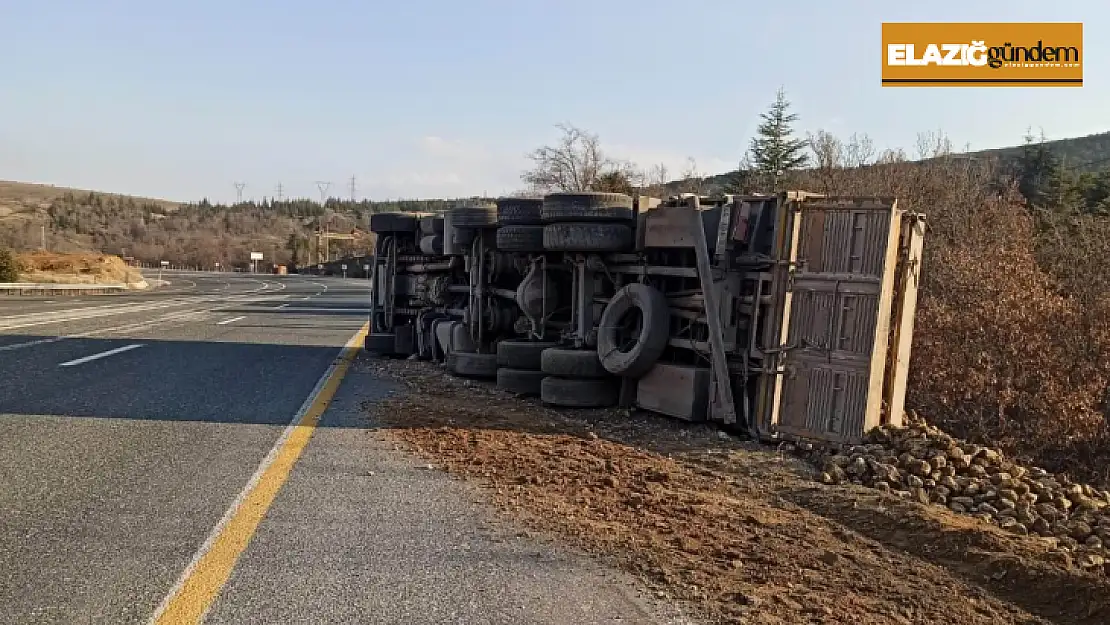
(282, 306)
(252, 482)
(227, 321)
(111, 352)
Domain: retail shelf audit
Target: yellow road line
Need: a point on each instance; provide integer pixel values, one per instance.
(199, 586)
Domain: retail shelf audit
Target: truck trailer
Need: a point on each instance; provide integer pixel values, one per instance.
(787, 315)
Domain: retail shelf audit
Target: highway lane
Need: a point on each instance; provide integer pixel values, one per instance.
(116, 469)
(127, 439)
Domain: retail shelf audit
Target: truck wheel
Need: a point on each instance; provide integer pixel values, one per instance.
(477, 216)
(577, 393)
(392, 222)
(633, 330)
(587, 237)
(472, 365)
(519, 381)
(432, 245)
(517, 211)
(522, 354)
(572, 363)
(586, 206)
(520, 238)
(380, 343)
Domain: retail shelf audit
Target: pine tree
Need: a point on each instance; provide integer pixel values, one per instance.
(774, 151)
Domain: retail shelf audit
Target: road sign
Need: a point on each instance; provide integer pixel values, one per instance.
(256, 255)
(366, 267)
(165, 263)
(344, 267)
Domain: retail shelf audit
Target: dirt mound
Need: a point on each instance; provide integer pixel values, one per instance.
(924, 464)
(52, 268)
(733, 531)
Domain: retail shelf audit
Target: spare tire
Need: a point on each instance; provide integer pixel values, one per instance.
(392, 222)
(519, 381)
(431, 225)
(474, 216)
(520, 238)
(472, 365)
(572, 363)
(579, 393)
(648, 306)
(587, 237)
(522, 354)
(519, 211)
(586, 206)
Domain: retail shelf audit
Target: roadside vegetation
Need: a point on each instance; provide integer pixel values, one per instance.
(9, 268)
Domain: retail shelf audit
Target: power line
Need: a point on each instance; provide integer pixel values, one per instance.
(239, 192)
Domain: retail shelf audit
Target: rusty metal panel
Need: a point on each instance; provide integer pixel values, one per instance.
(668, 226)
(836, 311)
(680, 391)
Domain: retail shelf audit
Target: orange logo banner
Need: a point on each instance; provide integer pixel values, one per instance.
(995, 54)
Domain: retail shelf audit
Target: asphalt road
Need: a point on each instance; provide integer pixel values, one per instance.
(132, 426)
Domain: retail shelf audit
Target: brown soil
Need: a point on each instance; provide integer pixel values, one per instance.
(733, 531)
(49, 267)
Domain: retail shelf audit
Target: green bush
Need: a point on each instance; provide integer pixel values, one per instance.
(9, 267)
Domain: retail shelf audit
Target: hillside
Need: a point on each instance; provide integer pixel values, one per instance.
(196, 234)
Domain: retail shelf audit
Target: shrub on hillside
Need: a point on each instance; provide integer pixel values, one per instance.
(1012, 339)
(9, 267)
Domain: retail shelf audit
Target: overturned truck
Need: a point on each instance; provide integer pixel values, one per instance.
(786, 315)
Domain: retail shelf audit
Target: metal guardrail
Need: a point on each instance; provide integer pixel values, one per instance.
(36, 288)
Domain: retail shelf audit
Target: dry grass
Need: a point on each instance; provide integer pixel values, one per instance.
(52, 268)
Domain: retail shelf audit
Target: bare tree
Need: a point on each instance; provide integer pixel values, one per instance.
(575, 163)
(858, 151)
(828, 154)
(933, 144)
(653, 181)
(692, 179)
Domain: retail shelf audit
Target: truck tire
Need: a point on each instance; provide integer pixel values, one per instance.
(579, 393)
(587, 237)
(572, 363)
(516, 211)
(522, 354)
(646, 305)
(380, 343)
(520, 382)
(392, 222)
(520, 238)
(431, 225)
(475, 216)
(432, 245)
(586, 206)
(472, 365)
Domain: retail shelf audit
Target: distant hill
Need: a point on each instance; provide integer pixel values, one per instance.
(1089, 153)
(1085, 154)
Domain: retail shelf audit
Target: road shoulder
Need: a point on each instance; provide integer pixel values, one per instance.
(365, 532)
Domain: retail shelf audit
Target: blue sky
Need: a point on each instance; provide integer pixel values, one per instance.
(427, 98)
